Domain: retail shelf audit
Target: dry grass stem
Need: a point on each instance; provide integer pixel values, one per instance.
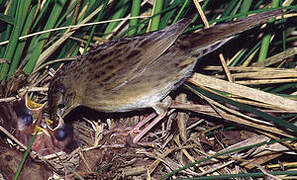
(246, 92)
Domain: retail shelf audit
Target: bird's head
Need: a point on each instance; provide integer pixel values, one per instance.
(61, 100)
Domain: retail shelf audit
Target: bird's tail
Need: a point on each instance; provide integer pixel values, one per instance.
(203, 42)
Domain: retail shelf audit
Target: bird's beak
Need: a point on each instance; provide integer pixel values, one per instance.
(34, 107)
(61, 123)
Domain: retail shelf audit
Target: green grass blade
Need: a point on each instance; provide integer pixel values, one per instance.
(58, 7)
(20, 167)
(122, 7)
(99, 16)
(156, 15)
(246, 4)
(16, 32)
(134, 12)
(7, 19)
(20, 47)
(266, 39)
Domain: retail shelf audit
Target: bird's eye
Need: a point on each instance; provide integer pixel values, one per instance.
(61, 105)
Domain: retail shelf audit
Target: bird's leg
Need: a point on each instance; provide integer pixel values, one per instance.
(161, 110)
(135, 129)
(144, 121)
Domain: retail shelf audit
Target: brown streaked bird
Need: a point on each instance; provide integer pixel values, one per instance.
(138, 72)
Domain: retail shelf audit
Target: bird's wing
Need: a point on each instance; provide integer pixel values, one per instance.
(119, 61)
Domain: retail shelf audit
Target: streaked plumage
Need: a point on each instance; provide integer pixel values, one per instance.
(137, 72)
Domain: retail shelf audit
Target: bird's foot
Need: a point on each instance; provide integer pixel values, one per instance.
(136, 132)
(161, 109)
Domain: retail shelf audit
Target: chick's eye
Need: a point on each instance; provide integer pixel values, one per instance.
(28, 119)
(61, 134)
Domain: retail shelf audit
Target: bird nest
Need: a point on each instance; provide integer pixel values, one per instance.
(101, 144)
